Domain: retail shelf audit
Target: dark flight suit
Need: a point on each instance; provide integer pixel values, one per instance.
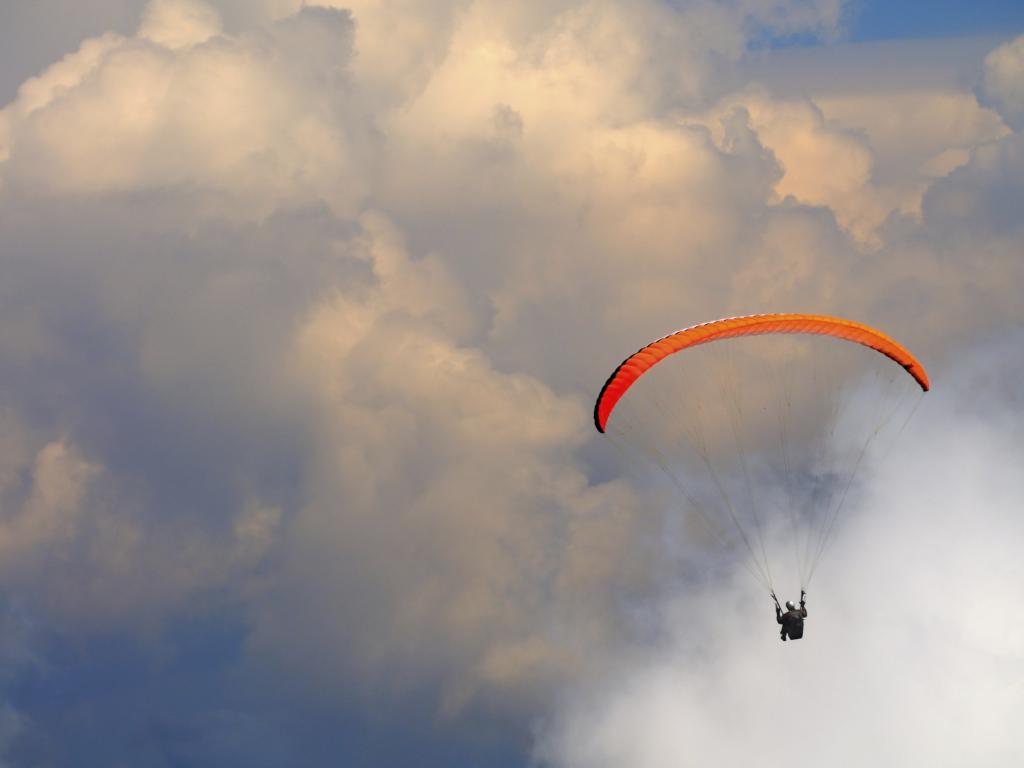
(792, 621)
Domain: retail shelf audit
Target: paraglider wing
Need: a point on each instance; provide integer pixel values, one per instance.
(637, 364)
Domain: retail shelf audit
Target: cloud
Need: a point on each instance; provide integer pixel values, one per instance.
(1002, 86)
(476, 470)
(72, 538)
(177, 107)
(980, 196)
(179, 23)
(910, 653)
(304, 309)
(34, 35)
(59, 479)
(821, 164)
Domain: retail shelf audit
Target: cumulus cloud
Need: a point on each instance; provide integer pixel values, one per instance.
(73, 538)
(1003, 83)
(59, 480)
(981, 196)
(243, 124)
(934, 133)
(475, 468)
(821, 163)
(304, 306)
(179, 23)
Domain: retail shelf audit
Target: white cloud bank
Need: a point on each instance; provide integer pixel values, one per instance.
(913, 648)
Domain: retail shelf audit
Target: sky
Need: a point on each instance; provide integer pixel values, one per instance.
(905, 19)
(303, 310)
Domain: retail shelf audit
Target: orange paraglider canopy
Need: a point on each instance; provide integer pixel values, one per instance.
(637, 364)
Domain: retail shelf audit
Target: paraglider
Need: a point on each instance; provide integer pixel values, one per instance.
(755, 419)
(637, 364)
